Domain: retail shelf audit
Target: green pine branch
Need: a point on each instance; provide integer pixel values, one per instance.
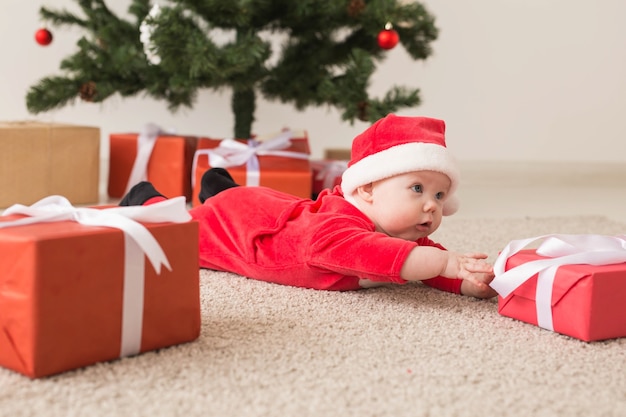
(327, 58)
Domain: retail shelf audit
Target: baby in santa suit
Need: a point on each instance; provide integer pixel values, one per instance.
(372, 229)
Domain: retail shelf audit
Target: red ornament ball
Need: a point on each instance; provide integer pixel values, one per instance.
(43, 37)
(388, 38)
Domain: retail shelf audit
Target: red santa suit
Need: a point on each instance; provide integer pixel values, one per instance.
(325, 244)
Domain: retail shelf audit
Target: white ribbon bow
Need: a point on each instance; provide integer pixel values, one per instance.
(561, 250)
(138, 241)
(145, 145)
(330, 171)
(232, 153)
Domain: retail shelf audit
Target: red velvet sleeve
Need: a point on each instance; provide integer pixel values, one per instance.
(441, 283)
(445, 284)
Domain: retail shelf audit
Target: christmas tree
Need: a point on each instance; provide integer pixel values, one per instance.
(329, 52)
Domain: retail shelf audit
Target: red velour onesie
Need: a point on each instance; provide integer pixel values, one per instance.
(325, 244)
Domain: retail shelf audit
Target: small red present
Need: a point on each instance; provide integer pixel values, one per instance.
(280, 162)
(115, 282)
(327, 174)
(571, 284)
(164, 160)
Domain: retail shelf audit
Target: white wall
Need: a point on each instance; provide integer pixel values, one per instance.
(514, 79)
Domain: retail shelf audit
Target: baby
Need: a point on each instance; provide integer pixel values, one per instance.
(371, 230)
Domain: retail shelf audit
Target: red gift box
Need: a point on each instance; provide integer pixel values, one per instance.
(579, 300)
(168, 169)
(326, 174)
(283, 168)
(67, 300)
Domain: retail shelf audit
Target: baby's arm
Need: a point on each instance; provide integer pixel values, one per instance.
(426, 262)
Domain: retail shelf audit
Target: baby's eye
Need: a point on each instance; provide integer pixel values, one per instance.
(440, 195)
(417, 188)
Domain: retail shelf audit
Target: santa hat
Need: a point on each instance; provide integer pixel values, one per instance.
(396, 145)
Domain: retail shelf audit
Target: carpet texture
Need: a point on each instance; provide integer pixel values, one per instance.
(270, 350)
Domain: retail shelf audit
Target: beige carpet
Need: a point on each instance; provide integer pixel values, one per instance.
(268, 350)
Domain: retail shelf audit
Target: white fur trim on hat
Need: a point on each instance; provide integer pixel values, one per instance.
(400, 159)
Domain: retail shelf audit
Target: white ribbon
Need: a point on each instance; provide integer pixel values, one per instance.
(138, 241)
(330, 171)
(145, 145)
(560, 250)
(232, 153)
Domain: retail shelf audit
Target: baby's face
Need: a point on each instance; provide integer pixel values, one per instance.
(409, 206)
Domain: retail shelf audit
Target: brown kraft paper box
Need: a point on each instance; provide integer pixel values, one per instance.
(40, 159)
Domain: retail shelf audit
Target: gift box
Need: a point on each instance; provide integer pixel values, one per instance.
(338, 154)
(40, 159)
(75, 294)
(278, 161)
(165, 161)
(326, 173)
(570, 294)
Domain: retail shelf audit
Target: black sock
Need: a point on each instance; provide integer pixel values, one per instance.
(214, 181)
(139, 194)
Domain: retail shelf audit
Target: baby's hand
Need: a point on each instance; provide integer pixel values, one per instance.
(478, 289)
(475, 272)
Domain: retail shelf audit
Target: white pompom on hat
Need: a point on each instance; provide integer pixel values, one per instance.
(397, 145)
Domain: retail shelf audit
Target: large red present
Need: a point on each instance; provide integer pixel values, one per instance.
(570, 284)
(164, 160)
(278, 161)
(74, 294)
